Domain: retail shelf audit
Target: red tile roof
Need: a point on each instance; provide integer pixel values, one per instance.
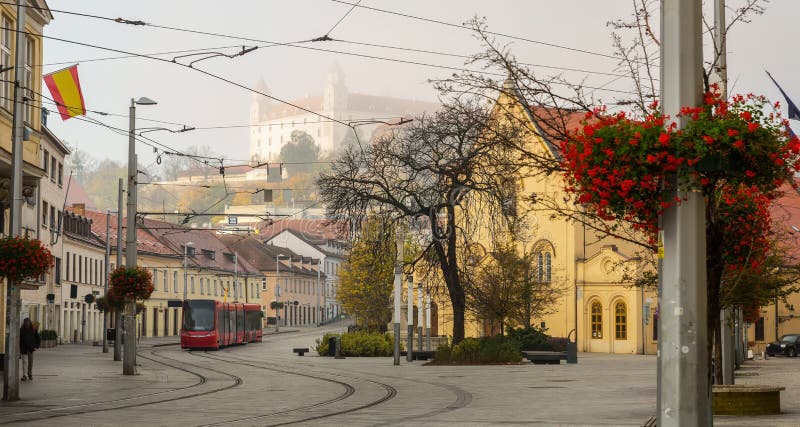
(315, 230)
(785, 213)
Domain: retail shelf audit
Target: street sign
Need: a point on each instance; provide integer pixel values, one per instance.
(175, 303)
(232, 220)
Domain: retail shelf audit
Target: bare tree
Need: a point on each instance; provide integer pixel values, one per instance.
(433, 172)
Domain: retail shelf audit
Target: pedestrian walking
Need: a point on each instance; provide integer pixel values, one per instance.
(28, 342)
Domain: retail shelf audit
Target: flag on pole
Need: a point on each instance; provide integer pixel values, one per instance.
(794, 112)
(65, 87)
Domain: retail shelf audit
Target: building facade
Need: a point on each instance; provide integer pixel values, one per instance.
(271, 125)
(33, 171)
(315, 239)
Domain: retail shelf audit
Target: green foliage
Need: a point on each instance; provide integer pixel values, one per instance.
(276, 305)
(531, 338)
(365, 344)
(48, 334)
(481, 350)
(300, 149)
(365, 281)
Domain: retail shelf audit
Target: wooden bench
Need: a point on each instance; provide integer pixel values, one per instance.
(545, 357)
(300, 351)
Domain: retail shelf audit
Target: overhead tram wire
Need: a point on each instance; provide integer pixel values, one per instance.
(464, 27)
(199, 70)
(342, 18)
(353, 6)
(324, 38)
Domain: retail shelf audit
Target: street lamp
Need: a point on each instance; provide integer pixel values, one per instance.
(186, 268)
(129, 356)
(278, 287)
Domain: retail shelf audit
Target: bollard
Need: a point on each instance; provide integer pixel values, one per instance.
(332, 346)
(339, 348)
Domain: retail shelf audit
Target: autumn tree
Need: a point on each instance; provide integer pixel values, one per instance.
(366, 279)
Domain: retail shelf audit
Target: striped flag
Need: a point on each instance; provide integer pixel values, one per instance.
(65, 87)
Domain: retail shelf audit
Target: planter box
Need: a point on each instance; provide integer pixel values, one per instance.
(746, 400)
(48, 343)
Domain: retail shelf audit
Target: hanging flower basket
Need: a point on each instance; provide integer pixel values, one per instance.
(22, 259)
(134, 283)
(623, 168)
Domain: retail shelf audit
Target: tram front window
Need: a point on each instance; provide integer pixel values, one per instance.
(198, 315)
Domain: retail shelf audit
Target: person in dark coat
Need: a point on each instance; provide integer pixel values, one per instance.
(28, 342)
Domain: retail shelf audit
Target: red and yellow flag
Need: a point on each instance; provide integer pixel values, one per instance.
(65, 87)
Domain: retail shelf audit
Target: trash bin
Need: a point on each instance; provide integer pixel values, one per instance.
(111, 334)
(332, 346)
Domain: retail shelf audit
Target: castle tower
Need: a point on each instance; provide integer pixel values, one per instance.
(259, 106)
(335, 98)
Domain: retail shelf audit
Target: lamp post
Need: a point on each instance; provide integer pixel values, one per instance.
(129, 355)
(277, 289)
(186, 268)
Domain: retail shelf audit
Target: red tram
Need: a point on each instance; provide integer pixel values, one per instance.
(213, 324)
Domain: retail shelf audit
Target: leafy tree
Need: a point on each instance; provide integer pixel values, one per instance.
(300, 149)
(366, 279)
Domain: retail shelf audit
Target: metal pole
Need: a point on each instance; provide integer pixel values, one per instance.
(277, 291)
(11, 361)
(118, 312)
(420, 313)
(720, 77)
(105, 282)
(129, 355)
(185, 270)
(318, 290)
(684, 395)
(235, 276)
(410, 318)
(398, 286)
(428, 321)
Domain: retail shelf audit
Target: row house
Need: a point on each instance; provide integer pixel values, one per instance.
(315, 239)
(34, 139)
(286, 277)
(212, 271)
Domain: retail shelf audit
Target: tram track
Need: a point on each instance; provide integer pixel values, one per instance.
(86, 408)
(391, 392)
(462, 397)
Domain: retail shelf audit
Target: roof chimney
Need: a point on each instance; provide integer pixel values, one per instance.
(79, 209)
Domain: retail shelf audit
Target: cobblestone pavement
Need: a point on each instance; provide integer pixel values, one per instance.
(266, 384)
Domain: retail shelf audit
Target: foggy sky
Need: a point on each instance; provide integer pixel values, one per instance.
(188, 97)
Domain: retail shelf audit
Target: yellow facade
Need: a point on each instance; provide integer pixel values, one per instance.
(610, 316)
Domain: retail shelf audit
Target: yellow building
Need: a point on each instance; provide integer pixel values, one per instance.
(609, 315)
(35, 20)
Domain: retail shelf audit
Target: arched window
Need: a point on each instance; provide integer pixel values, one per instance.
(621, 321)
(597, 320)
(545, 267)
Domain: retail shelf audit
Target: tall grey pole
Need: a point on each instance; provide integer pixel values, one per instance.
(428, 321)
(684, 394)
(420, 314)
(11, 361)
(398, 286)
(105, 282)
(118, 312)
(410, 318)
(235, 276)
(720, 77)
(186, 270)
(129, 355)
(277, 291)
